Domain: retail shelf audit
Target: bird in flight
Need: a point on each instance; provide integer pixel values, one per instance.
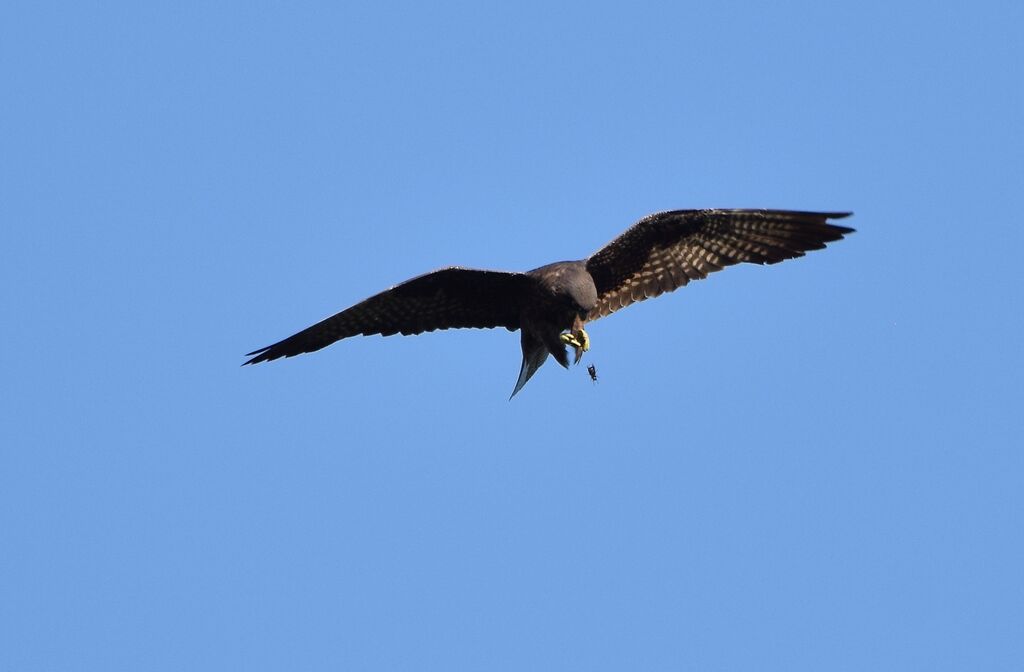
(550, 305)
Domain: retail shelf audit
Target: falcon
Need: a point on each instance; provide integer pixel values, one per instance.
(550, 305)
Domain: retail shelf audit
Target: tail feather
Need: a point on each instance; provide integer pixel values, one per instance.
(534, 354)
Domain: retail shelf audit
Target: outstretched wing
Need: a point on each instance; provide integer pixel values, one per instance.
(666, 250)
(445, 299)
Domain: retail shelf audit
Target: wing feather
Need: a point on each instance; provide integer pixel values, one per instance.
(444, 299)
(666, 250)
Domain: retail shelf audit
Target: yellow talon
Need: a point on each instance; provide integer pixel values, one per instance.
(584, 340)
(579, 340)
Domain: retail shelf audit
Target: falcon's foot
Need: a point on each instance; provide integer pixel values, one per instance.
(578, 340)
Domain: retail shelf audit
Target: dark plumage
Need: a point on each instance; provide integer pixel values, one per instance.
(660, 253)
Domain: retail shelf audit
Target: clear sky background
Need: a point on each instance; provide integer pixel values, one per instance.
(811, 466)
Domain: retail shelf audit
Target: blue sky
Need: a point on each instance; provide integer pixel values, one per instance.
(811, 466)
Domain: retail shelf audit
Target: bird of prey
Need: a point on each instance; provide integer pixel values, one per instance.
(550, 305)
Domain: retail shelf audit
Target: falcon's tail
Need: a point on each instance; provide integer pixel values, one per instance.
(534, 354)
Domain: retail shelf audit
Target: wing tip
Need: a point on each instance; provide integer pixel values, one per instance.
(261, 355)
(837, 230)
(842, 230)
